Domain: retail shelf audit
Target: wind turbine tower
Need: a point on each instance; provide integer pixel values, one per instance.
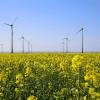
(81, 30)
(66, 44)
(22, 43)
(31, 48)
(28, 46)
(11, 25)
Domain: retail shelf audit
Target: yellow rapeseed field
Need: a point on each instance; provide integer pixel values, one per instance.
(50, 76)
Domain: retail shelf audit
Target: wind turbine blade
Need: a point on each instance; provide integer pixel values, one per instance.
(66, 38)
(85, 29)
(14, 20)
(7, 24)
(80, 30)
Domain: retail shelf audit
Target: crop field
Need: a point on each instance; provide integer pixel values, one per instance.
(50, 76)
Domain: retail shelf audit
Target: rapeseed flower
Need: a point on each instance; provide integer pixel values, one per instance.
(77, 61)
(19, 78)
(91, 90)
(1, 94)
(28, 71)
(86, 84)
(32, 98)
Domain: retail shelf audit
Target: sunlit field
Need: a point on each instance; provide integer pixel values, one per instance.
(50, 76)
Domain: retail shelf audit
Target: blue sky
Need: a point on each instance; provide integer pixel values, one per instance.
(46, 22)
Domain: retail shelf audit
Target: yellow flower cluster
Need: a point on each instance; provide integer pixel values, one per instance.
(32, 98)
(28, 71)
(3, 78)
(77, 61)
(19, 78)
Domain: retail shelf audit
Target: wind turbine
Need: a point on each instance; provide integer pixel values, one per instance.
(22, 43)
(11, 26)
(31, 48)
(81, 30)
(66, 44)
